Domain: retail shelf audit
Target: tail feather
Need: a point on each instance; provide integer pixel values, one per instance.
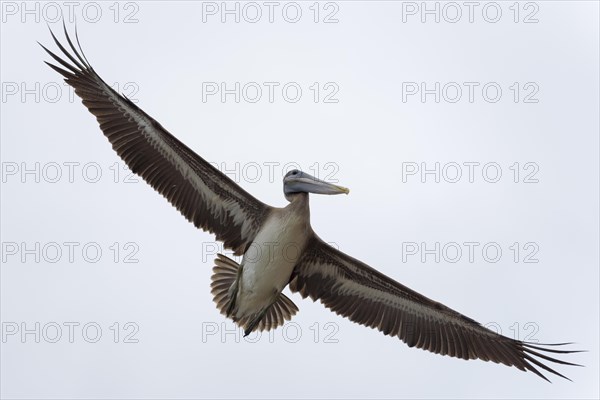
(225, 274)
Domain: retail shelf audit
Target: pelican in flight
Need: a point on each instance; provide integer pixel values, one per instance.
(278, 245)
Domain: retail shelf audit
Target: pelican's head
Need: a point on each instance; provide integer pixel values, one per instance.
(297, 181)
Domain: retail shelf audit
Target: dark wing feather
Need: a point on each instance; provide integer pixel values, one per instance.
(360, 293)
(205, 196)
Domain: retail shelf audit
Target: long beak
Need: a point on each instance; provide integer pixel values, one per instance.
(317, 186)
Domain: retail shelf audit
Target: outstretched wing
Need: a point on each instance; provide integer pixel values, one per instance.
(358, 292)
(205, 196)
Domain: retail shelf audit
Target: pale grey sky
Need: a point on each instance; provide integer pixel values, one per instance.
(352, 99)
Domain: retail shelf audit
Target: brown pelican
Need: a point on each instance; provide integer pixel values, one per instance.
(278, 245)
